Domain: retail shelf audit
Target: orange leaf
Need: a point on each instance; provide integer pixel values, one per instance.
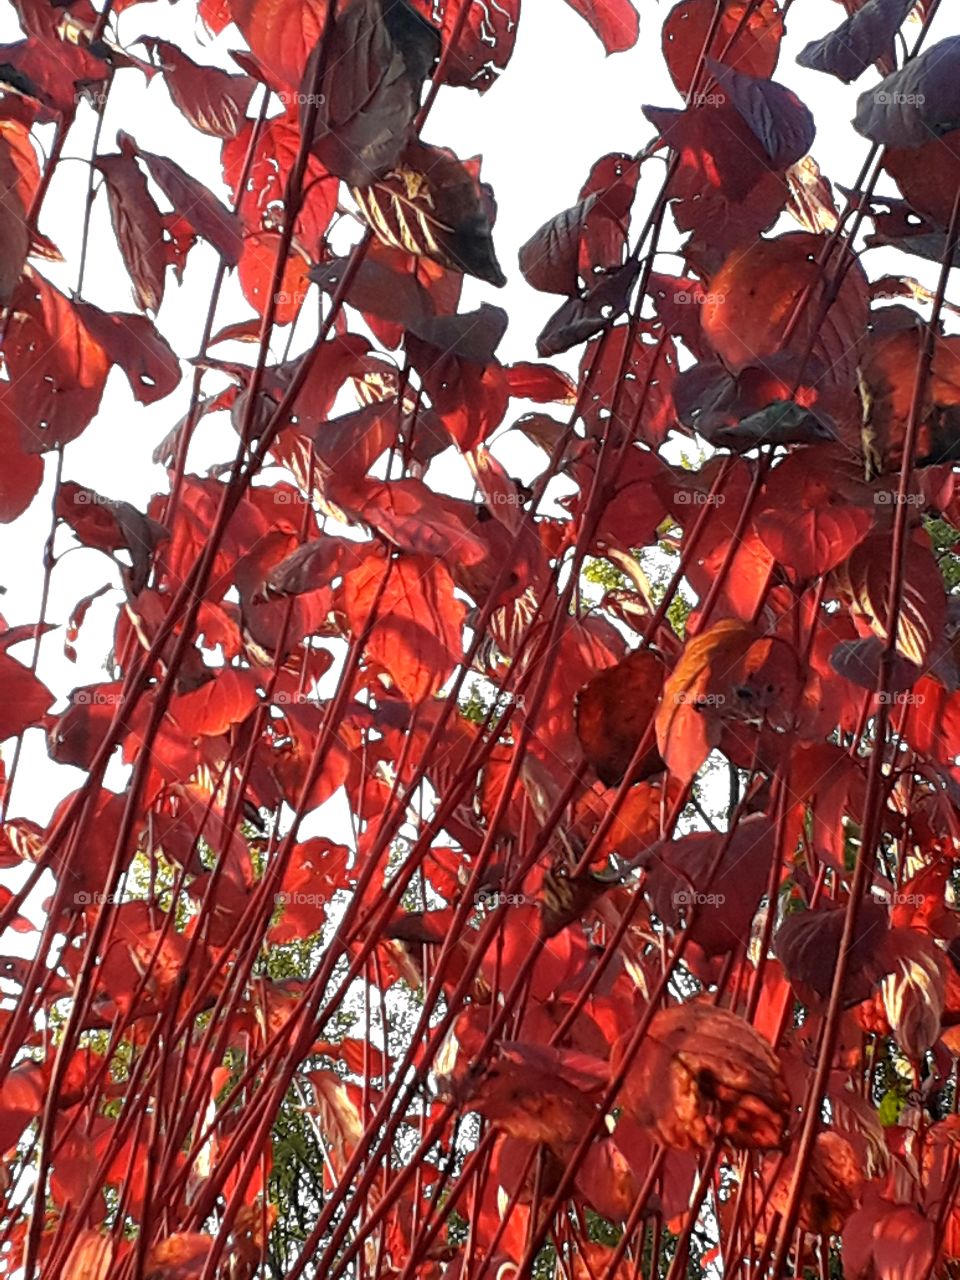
(416, 621)
(754, 295)
(704, 1072)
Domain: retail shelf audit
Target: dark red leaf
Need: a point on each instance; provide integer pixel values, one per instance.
(192, 201)
(615, 712)
(369, 86)
(134, 343)
(214, 101)
(747, 37)
(433, 205)
(138, 226)
(21, 473)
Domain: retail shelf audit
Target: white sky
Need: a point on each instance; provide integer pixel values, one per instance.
(560, 105)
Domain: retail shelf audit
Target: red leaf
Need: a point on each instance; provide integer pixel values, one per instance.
(21, 473)
(215, 15)
(615, 22)
(182, 1256)
(755, 293)
(808, 943)
(896, 1241)
(703, 1072)
(135, 344)
(416, 622)
(19, 178)
(281, 34)
(411, 516)
(725, 672)
(634, 373)
(485, 41)
(57, 369)
(725, 187)
(224, 701)
(928, 175)
(273, 158)
(214, 101)
(192, 201)
(94, 1256)
(540, 382)
(615, 710)
(138, 225)
(807, 523)
(747, 37)
(863, 580)
(21, 1101)
(686, 880)
(257, 266)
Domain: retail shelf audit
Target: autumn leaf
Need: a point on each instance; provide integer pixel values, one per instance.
(746, 38)
(701, 1073)
(416, 626)
(615, 713)
(727, 671)
(214, 101)
(615, 22)
(433, 205)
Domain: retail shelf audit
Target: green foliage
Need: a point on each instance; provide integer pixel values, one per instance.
(945, 538)
(601, 573)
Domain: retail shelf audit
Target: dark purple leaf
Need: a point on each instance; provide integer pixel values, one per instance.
(920, 101)
(866, 36)
(581, 318)
(781, 123)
